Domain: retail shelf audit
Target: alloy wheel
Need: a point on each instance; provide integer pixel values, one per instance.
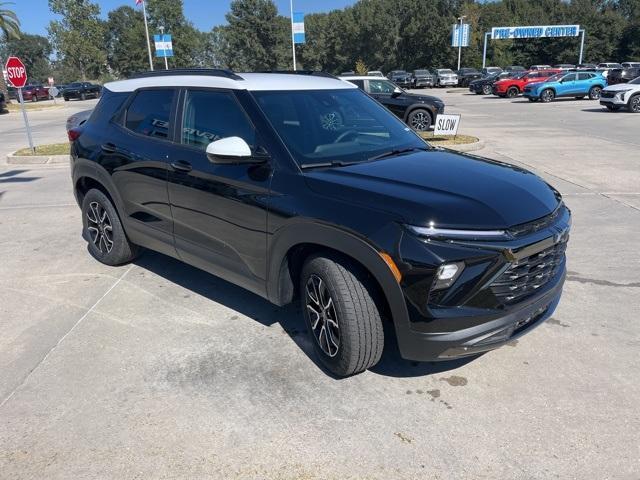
(420, 121)
(595, 93)
(323, 316)
(486, 89)
(634, 104)
(547, 96)
(99, 227)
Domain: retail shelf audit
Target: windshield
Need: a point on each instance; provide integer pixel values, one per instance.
(555, 78)
(635, 81)
(421, 72)
(445, 70)
(342, 125)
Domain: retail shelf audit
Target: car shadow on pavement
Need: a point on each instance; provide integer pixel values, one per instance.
(11, 176)
(289, 316)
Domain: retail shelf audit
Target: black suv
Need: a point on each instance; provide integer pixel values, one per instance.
(401, 78)
(467, 75)
(417, 111)
(623, 75)
(3, 103)
(81, 91)
(483, 86)
(302, 186)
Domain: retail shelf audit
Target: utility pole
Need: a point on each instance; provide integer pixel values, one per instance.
(146, 29)
(460, 39)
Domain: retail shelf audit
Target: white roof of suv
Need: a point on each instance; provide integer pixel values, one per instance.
(240, 81)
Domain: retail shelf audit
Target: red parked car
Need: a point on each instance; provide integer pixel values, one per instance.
(512, 87)
(33, 93)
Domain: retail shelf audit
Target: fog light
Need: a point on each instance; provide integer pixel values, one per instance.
(447, 274)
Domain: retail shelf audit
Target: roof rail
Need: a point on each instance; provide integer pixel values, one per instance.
(301, 72)
(211, 72)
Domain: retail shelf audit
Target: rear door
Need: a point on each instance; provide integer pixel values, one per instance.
(219, 210)
(138, 159)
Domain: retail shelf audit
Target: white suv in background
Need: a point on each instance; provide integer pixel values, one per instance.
(614, 97)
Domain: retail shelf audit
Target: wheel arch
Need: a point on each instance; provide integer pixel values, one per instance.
(294, 245)
(87, 175)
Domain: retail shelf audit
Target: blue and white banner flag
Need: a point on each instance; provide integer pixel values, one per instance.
(297, 26)
(460, 36)
(164, 47)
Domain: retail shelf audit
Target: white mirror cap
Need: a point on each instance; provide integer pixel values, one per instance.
(229, 147)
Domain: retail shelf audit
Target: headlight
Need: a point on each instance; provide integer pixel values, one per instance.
(455, 234)
(621, 93)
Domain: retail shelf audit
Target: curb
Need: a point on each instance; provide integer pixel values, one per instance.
(467, 147)
(36, 159)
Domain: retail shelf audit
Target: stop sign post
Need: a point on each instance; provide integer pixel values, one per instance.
(17, 76)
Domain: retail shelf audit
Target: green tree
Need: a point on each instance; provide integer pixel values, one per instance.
(34, 51)
(78, 37)
(256, 37)
(9, 29)
(126, 43)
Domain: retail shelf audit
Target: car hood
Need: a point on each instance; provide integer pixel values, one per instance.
(534, 85)
(621, 86)
(450, 189)
(417, 98)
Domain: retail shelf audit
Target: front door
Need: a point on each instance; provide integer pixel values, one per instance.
(383, 91)
(219, 210)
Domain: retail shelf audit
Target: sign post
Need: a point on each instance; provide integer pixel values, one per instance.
(17, 76)
(297, 31)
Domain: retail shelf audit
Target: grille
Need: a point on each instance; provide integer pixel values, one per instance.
(605, 94)
(527, 275)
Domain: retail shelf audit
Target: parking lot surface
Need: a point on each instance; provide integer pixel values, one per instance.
(158, 370)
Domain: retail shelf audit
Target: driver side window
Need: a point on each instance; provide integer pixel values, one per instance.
(381, 86)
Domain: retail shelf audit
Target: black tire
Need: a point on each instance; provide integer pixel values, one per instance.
(66, 99)
(613, 108)
(108, 242)
(83, 96)
(594, 93)
(547, 95)
(34, 98)
(420, 120)
(486, 89)
(512, 92)
(358, 325)
(634, 104)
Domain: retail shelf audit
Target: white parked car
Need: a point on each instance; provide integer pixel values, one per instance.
(446, 77)
(615, 97)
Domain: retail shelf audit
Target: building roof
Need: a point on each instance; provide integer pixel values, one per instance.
(239, 81)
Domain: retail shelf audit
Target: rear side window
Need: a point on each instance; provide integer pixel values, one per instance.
(210, 116)
(110, 102)
(584, 76)
(149, 113)
(358, 83)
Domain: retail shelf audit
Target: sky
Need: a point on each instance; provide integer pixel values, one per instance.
(34, 15)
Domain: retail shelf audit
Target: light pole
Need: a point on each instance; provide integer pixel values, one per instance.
(460, 39)
(293, 41)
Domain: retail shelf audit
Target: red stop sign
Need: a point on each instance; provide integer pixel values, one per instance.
(16, 72)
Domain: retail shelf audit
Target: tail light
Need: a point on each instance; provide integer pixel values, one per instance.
(74, 134)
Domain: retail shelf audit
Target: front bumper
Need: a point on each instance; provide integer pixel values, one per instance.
(452, 82)
(424, 83)
(495, 300)
(615, 100)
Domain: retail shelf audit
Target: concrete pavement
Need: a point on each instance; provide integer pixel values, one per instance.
(158, 370)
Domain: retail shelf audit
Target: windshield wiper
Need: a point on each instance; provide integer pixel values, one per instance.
(335, 163)
(397, 151)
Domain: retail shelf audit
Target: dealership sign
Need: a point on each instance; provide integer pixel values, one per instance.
(537, 31)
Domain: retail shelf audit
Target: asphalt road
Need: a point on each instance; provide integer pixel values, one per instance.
(158, 370)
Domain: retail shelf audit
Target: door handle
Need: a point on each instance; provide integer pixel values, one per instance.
(181, 166)
(108, 147)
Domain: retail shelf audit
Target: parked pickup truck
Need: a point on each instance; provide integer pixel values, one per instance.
(81, 90)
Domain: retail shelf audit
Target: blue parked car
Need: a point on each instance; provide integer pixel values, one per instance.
(572, 84)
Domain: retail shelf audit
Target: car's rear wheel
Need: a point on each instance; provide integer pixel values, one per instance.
(108, 243)
(486, 89)
(420, 120)
(34, 98)
(547, 95)
(66, 99)
(341, 315)
(634, 104)
(594, 93)
(83, 96)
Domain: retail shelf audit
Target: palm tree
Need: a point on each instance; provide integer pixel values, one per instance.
(9, 28)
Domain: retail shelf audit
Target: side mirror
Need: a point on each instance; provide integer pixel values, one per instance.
(396, 92)
(230, 150)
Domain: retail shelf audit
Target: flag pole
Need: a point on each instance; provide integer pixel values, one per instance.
(293, 41)
(146, 29)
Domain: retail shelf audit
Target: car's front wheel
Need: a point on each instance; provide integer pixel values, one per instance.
(512, 92)
(83, 96)
(108, 242)
(420, 120)
(486, 89)
(594, 93)
(634, 104)
(547, 95)
(341, 315)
